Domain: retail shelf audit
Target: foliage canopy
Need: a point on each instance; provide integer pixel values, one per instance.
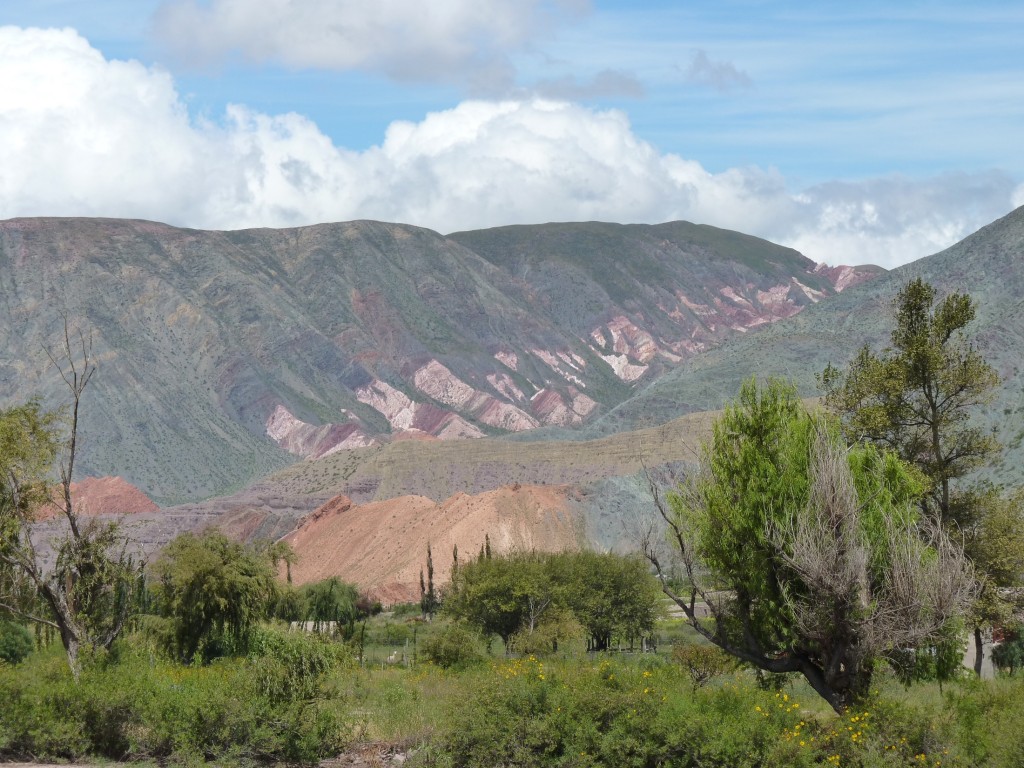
(809, 556)
(917, 397)
(214, 590)
(525, 596)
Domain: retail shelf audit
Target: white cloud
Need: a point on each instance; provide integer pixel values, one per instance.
(404, 39)
(80, 135)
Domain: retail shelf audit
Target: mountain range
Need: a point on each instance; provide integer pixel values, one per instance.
(226, 355)
(366, 389)
(988, 265)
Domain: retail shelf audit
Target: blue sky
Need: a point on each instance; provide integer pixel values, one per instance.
(856, 132)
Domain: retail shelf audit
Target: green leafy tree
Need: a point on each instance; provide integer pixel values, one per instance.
(610, 595)
(808, 556)
(86, 594)
(917, 398)
(214, 590)
(279, 552)
(501, 595)
(290, 605)
(994, 542)
(1008, 656)
(534, 601)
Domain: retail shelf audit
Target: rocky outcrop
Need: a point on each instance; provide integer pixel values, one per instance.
(314, 442)
(440, 384)
(843, 277)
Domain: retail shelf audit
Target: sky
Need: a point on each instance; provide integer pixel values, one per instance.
(869, 132)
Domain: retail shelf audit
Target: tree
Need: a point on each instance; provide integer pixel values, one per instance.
(809, 557)
(331, 604)
(917, 398)
(535, 601)
(279, 552)
(428, 596)
(214, 591)
(501, 595)
(994, 542)
(610, 595)
(87, 593)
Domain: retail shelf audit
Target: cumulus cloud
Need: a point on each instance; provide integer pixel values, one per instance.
(720, 75)
(81, 135)
(403, 39)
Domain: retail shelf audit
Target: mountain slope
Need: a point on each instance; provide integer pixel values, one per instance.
(652, 295)
(989, 265)
(223, 355)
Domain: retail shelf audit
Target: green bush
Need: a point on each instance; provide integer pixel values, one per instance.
(15, 642)
(289, 666)
(454, 647)
(269, 707)
(533, 712)
(703, 662)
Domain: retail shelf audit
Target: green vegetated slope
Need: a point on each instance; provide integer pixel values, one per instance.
(200, 335)
(989, 265)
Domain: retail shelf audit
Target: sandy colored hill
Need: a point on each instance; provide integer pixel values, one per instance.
(382, 546)
(106, 496)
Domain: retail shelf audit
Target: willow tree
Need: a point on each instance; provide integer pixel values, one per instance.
(808, 556)
(214, 591)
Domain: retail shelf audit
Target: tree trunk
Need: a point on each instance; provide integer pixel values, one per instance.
(71, 647)
(979, 650)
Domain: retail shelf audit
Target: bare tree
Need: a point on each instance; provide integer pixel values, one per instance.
(86, 595)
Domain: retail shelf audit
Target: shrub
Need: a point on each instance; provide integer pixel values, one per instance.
(15, 642)
(703, 662)
(454, 647)
(266, 708)
(533, 712)
(289, 666)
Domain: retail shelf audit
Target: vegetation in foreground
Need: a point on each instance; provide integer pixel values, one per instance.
(298, 698)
